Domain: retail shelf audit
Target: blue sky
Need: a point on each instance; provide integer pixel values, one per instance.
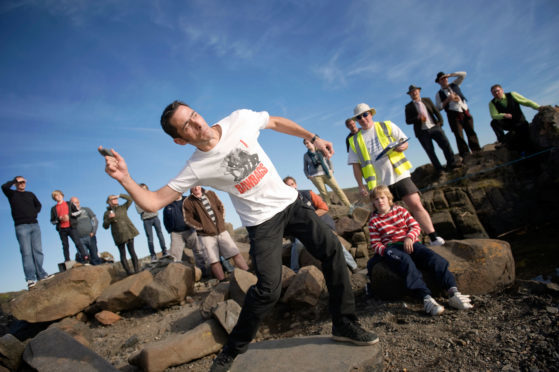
(78, 74)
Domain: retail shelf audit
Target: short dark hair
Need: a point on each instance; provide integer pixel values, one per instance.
(495, 86)
(167, 115)
(289, 178)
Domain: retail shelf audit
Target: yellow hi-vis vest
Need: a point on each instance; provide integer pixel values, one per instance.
(384, 134)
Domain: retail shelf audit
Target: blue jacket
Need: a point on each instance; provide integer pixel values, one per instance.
(173, 218)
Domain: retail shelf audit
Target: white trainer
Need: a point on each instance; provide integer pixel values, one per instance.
(460, 301)
(431, 306)
(438, 241)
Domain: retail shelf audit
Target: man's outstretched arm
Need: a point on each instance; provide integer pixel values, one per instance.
(150, 201)
(287, 126)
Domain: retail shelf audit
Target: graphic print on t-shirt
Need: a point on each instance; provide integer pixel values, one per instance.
(246, 168)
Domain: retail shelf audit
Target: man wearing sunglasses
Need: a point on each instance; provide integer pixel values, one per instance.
(229, 158)
(25, 208)
(377, 155)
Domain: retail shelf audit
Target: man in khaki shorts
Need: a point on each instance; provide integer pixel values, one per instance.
(204, 212)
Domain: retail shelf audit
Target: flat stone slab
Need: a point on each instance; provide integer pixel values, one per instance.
(311, 353)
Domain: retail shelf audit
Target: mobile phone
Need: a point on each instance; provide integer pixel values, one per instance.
(105, 152)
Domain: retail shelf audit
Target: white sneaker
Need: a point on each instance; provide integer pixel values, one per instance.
(48, 277)
(31, 284)
(438, 241)
(460, 301)
(431, 306)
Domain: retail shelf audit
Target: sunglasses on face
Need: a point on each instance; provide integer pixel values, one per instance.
(363, 115)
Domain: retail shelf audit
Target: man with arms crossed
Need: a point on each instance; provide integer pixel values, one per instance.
(229, 158)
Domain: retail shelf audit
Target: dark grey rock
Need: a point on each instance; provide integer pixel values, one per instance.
(54, 350)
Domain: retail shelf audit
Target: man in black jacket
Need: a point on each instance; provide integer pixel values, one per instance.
(25, 208)
(427, 126)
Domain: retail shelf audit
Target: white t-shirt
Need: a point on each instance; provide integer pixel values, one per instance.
(383, 167)
(240, 167)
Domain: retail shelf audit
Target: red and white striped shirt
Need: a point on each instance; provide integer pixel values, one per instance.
(392, 227)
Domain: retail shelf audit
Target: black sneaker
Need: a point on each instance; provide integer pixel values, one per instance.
(352, 331)
(222, 362)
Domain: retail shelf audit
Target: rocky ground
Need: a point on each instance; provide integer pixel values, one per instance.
(515, 330)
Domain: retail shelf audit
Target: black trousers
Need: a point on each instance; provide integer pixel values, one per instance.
(130, 245)
(426, 138)
(266, 250)
(517, 136)
(458, 122)
(73, 234)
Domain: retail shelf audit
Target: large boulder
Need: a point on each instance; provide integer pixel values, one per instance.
(205, 339)
(218, 294)
(78, 330)
(54, 350)
(227, 313)
(11, 350)
(544, 130)
(345, 226)
(170, 286)
(241, 281)
(311, 353)
(125, 294)
(66, 294)
(480, 266)
(306, 287)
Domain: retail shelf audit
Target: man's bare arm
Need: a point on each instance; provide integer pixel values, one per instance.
(287, 126)
(150, 201)
(358, 174)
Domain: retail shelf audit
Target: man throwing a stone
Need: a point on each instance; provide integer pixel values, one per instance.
(228, 157)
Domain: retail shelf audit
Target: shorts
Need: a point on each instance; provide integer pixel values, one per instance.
(402, 188)
(218, 245)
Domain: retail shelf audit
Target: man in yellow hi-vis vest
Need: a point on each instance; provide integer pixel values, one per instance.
(391, 169)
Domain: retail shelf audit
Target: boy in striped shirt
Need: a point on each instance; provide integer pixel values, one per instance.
(394, 236)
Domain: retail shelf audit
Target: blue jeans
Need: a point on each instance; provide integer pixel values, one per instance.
(90, 243)
(29, 238)
(408, 266)
(148, 224)
(73, 234)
